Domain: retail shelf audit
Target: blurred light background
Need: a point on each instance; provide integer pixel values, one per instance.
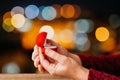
(85, 27)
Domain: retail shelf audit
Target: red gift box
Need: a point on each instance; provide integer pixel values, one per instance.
(41, 42)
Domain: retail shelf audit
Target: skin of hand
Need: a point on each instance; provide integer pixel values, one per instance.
(63, 65)
(60, 49)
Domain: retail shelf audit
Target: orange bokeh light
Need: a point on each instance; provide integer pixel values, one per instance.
(7, 15)
(102, 34)
(67, 11)
(108, 45)
(29, 38)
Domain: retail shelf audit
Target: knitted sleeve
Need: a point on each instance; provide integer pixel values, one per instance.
(97, 75)
(107, 63)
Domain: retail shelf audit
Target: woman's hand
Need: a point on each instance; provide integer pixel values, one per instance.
(60, 50)
(63, 65)
(63, 51)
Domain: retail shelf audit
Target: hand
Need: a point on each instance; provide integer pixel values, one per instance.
(60, 49)
(63, 65)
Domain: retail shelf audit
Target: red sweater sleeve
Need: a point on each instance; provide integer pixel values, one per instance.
(96, 75)
(109, 64)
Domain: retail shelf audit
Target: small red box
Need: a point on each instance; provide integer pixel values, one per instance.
(41, 41)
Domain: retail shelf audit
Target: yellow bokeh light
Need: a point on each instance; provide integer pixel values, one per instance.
(102, 34)
(18, 20)
(7, 26)
(66, 38)
(69, 45)
(67, 11)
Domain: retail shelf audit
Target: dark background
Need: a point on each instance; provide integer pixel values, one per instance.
(101, 9)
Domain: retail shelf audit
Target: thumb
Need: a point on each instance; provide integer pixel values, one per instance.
(54, 55)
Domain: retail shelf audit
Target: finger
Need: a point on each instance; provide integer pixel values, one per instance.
(54, 55)
(50, 42)
(59, 49)
(45, 63)
(35, 52)
(36, 61)
(54, 43)
(41, 69)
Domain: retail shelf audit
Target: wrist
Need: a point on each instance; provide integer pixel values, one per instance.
(81, 74)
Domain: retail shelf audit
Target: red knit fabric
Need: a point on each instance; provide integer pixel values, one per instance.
(97, 75)
(104, 67)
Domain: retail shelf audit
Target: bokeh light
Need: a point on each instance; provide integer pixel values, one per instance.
(7, 15)
(109, 45)
(49, 13)
(31, 11)
(77, 11)
(56, 35)
(40, 17)
(84, 25)
(11, 67)
(49, 30)
(57, 8)
(18, 20)
(67, 11)
(66, 38)
(69, 38)
(66, 41)
(114, 21)
(26, 27)
(84, 47)
(28, 39)
(7, 25)
(81, 38)
(102, 34)
(70, 25)
(17, 10)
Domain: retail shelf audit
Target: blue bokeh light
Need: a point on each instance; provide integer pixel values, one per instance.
(31, 11)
